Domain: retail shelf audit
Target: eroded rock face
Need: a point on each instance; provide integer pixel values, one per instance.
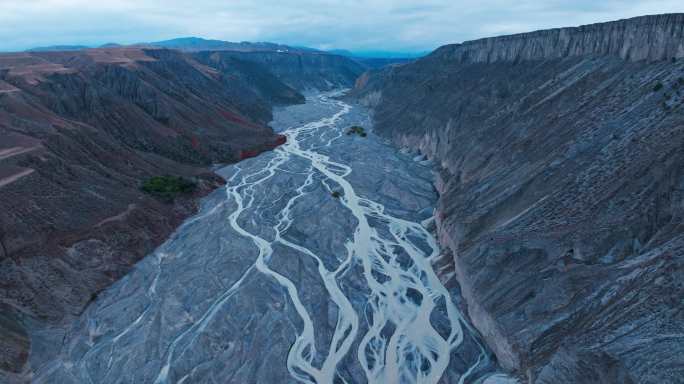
(15, 343)
(252, 74)
(643, 38)
(561, 191)
(300, 70)
(79, 132)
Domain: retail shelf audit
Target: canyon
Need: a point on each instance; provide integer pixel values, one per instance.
(515, 213)
(256, 289)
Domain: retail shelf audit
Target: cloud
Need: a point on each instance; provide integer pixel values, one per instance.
(352, 24)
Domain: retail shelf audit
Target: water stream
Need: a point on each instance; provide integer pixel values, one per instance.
(314, 265)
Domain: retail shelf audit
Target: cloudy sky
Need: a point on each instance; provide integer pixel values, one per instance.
(361, 25)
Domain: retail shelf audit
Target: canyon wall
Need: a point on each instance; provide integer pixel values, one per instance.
(659, 37)
(562, 191)
(79, 133)
(300, 70)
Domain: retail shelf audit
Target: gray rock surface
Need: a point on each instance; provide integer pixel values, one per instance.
(561, 191)
(653, 38)
(300, 70)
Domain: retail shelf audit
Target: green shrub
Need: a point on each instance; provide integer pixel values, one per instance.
(657, 87)
(167, 187)
(357, 130)
(336, 194)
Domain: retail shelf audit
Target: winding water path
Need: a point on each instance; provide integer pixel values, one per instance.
(314, 264)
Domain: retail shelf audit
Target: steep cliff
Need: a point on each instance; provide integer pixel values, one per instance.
(562, 191)
(659, 37)
(300, 70)
(79, 133)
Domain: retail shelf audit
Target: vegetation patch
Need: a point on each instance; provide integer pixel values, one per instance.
(657, 87)
(357, 130)
(336, 194)
(168, 187)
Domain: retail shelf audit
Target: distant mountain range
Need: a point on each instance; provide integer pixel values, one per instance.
(53, 48)
(196, 44)
(200, 44)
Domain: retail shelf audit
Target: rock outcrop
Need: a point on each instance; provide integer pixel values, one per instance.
(651, 38)
(562, 191)
(79, 132)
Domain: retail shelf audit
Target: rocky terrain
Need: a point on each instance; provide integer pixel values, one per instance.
(300, 70)
(562, 191)
(560, 215)
(79, 133)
